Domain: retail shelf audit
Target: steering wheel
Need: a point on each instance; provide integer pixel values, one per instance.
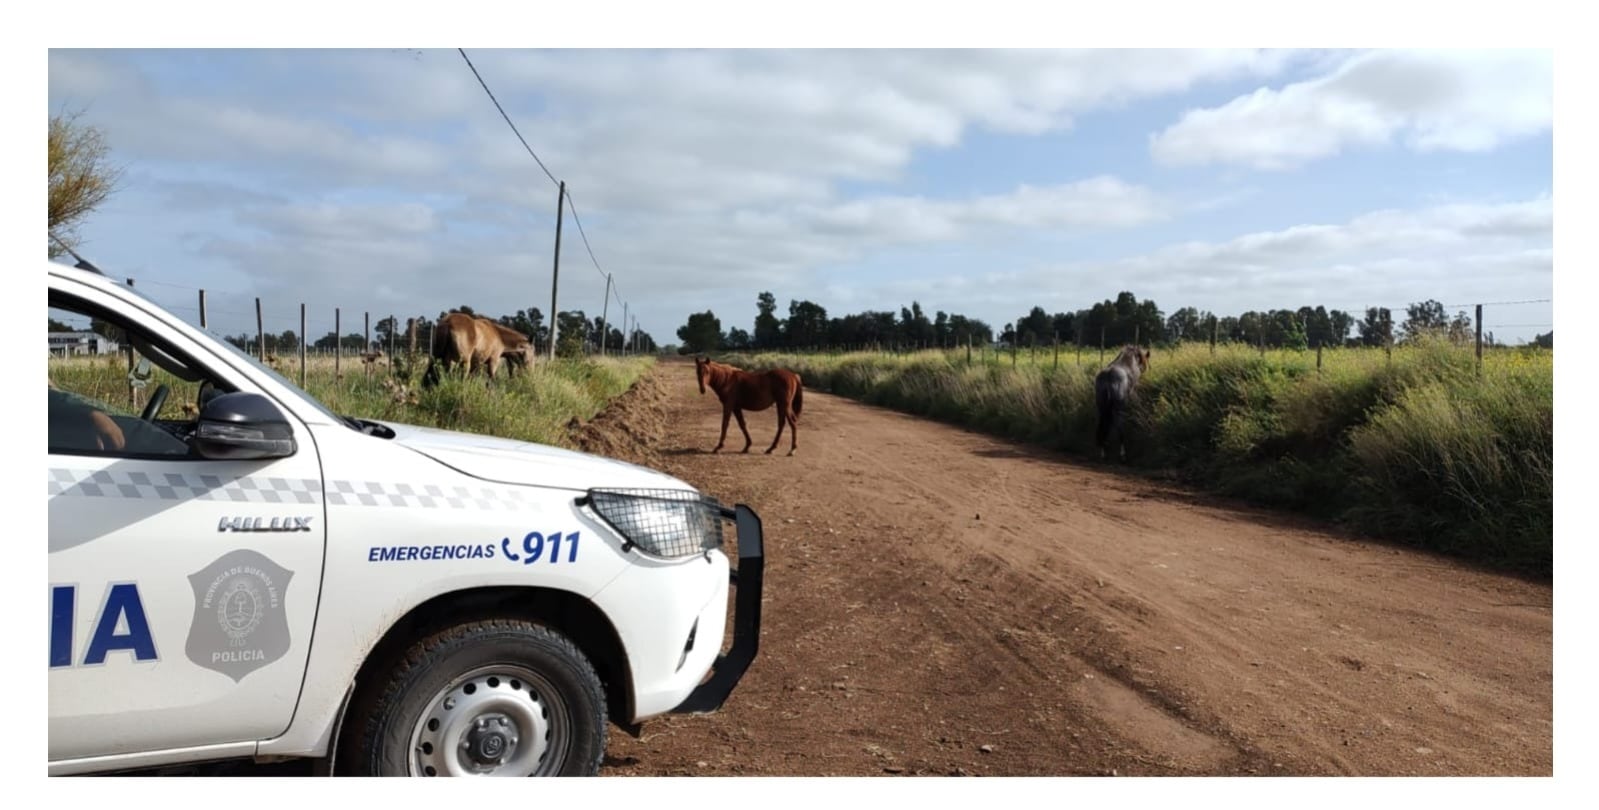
(157, 399)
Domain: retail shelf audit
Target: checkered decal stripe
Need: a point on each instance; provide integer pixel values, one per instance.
(429, 496)
(271, 489)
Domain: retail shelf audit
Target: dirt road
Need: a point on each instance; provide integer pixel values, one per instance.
(939, 602)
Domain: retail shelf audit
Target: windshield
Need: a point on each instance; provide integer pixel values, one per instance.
(284, 381)
(253, 361)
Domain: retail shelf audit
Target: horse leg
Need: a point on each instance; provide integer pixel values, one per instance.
(1120, 428)
(782, 417)
(793, 430)
(739, 414)
(726, 412)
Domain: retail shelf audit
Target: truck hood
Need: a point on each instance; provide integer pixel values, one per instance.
(508, 461)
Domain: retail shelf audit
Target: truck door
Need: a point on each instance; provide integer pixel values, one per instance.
(182, 590)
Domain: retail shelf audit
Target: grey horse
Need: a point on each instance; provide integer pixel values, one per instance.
(1113, 391)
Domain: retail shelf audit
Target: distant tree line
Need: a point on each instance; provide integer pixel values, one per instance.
(576, 334)
(808, 327)
(1111, 322)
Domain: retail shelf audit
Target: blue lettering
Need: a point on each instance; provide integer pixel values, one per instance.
(476, 551)
(63, 601)
(122, 602)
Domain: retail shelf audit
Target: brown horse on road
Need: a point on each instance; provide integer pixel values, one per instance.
(741, 390)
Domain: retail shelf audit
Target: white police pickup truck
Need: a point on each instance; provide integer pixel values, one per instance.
(263, 579)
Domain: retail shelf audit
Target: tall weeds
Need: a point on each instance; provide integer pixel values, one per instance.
(535, 406)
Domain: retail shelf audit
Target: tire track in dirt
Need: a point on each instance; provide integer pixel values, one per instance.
(939, 602)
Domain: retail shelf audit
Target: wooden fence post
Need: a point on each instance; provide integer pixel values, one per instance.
(1479, 338)
(133, 393)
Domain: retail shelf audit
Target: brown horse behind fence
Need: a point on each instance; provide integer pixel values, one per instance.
(741, 391)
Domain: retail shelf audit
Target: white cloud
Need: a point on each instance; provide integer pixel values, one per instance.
(1099, 202)
(1384, 258)
(1452, 253)
(1467, 101)
(377, 178)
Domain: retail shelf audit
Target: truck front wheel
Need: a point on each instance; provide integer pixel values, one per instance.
(499, 697)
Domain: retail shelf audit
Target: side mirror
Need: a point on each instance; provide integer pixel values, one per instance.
(243, 425)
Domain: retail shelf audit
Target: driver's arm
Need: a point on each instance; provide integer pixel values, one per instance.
(77, 424)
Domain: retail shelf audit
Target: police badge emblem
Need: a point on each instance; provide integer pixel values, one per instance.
(239, 623)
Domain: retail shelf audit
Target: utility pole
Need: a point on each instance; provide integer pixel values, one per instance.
(627, 341)
(605, 308)
(555, 274)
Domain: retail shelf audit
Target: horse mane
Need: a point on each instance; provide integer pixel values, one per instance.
(1129, 357)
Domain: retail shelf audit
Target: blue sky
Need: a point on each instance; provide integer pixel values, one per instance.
(978, 182)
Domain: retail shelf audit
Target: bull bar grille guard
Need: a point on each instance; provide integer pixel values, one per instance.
(628, 508)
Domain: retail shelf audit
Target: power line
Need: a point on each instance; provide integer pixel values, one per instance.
(1501, 303)
(507, 117)
(573, 203)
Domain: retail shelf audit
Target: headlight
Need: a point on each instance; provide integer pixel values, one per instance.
(664, 522)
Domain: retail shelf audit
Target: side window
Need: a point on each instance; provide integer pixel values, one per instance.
(116, 392)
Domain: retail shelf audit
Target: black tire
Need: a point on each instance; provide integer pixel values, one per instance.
(522, 671)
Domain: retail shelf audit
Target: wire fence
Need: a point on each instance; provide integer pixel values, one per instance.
(369, 342)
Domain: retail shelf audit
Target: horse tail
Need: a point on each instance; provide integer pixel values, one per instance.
(799, 396)
(1107, 404)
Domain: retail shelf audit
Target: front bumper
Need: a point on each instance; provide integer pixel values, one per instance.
(748, 580)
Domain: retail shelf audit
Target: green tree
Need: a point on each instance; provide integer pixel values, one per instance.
(768, 329)
(1340, 322)
(702, 333)
(1423, 318)
(81, 177)
(1377, 329)
(571, 333)
(1186, 324)
(640, 342)
(1036, 329)
(806, 326)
